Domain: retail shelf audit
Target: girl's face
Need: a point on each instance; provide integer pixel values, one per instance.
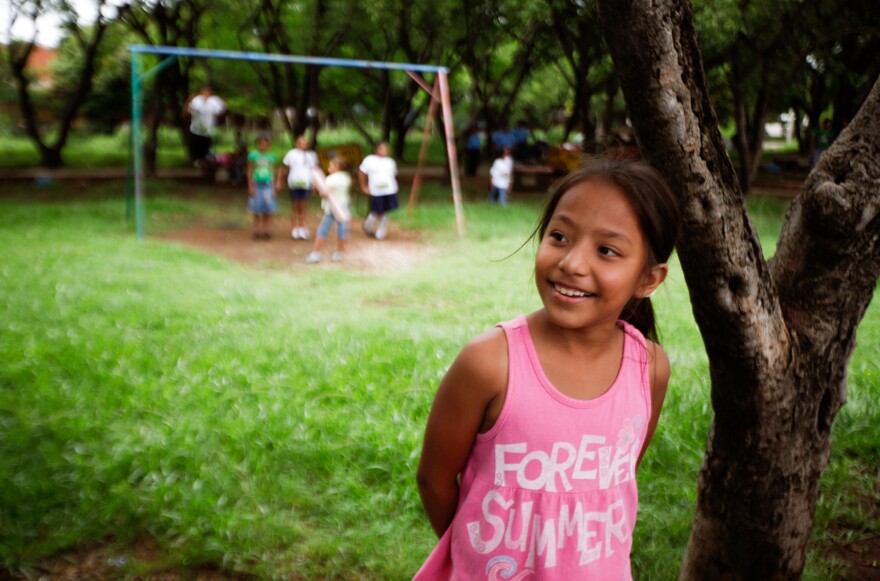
(263, 145)
(382, 150)
(593, 258)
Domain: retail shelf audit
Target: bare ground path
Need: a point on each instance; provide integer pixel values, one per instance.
(401, 250)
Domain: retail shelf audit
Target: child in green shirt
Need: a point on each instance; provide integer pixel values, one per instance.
(261, 202)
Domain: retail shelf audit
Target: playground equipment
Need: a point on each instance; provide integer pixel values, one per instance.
(439, 95)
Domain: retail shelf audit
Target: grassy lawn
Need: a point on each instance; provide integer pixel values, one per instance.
(270, 421)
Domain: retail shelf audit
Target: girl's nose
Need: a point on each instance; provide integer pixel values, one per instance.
(575, 263)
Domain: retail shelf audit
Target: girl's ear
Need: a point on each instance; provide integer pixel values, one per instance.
(651, 280)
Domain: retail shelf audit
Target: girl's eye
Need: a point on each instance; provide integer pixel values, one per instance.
(557, 236)
(608, 251)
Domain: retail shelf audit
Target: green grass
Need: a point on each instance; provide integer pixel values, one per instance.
(270, 421)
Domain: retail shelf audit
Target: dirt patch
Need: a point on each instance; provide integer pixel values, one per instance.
(144, 559)
(861, 558)
(402, 249)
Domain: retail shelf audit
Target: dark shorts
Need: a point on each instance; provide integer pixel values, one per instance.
(383, 204)
(297, 194)
(199, 146)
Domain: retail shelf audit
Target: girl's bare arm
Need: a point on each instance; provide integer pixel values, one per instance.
(477, 377)
(658, 367)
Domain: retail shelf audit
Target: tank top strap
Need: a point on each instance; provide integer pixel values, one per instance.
(514, 330)
(635, 352)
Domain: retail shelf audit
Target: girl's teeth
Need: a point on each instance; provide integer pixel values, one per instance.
(569, 292)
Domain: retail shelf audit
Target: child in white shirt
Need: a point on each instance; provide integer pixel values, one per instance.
(297, 166)
(502, 173)
(334, 201)
(378, 179)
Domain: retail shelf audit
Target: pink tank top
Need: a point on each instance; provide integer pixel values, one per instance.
(550, 491)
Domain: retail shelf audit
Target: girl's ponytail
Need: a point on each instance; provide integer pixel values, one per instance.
(640, 314)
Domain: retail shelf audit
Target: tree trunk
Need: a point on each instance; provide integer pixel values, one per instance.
(778, 336)
(50, 153)
(314, 121)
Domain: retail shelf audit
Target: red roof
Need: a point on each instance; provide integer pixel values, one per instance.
(41, 57)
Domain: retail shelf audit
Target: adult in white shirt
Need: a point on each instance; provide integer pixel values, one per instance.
(378, 179)
(297, 166)
(502, 173)
(203, 108)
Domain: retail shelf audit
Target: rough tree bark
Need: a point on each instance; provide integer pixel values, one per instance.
(778, 335)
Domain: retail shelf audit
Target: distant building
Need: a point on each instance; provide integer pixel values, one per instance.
(40, 64)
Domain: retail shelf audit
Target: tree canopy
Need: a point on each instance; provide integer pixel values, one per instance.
(543, 62)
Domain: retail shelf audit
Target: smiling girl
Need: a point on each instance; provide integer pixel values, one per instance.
(528, 468)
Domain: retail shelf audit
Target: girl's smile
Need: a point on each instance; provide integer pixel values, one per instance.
(571, 292)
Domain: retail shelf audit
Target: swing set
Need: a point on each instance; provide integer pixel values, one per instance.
(439, 93)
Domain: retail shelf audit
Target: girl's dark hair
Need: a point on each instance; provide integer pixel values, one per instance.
(340, 163)
(655, 207)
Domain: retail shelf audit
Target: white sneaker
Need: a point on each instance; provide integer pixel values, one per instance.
(313, 257)
(368, 225)
(337, 256)
(304, 233)
(294, 233)
(382, 230)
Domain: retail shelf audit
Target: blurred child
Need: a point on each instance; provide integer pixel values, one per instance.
(335, 201)
(204, 109)
(501, 172)
(297, 167)
(528, 468)
(378, 179)
(261, 202)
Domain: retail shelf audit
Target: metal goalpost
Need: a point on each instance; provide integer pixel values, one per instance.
(439, 95)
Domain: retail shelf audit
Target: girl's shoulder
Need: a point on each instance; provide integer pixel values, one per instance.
(483, 361)
(658, 361)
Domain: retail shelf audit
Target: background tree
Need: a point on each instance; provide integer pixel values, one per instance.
(68, 98)
(778, 335)
(767, 56)
(311, 28)
(393, 31)
(588, 67)
(109, 104)
(166, 23)
(501, 45)
(840, 68)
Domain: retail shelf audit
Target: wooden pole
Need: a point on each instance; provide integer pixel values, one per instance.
(451, 153)
(423, 151)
